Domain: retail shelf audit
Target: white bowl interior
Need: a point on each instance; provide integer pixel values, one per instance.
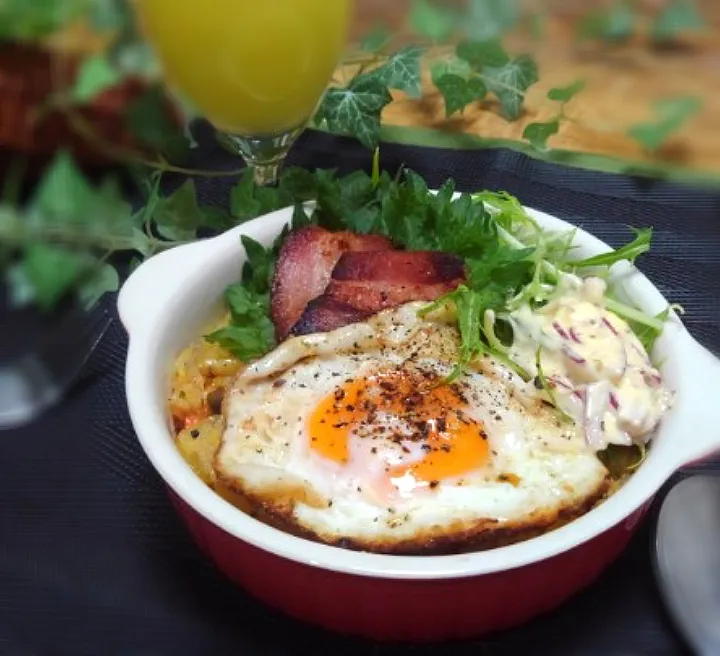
(193, 279)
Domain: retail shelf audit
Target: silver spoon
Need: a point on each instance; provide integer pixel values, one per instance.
(687, 560)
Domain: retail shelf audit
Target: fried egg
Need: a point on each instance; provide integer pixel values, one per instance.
(355, 438)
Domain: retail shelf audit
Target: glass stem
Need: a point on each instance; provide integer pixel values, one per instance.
(265, 154)
(265, 175)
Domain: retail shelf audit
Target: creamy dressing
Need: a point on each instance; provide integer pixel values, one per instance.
(597, 369)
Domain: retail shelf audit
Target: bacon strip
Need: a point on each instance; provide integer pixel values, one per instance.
(365, 283)
(324, 314)
(304, 266)
(400, 267)
(377, 296)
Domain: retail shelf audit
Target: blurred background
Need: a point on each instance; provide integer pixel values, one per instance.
(629, 86)
(631, 55)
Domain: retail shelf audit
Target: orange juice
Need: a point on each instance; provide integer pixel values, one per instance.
(251, 67)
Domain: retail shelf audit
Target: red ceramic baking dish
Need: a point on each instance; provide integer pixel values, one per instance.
(164, 305)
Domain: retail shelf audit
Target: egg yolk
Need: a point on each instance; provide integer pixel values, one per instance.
(453, 443)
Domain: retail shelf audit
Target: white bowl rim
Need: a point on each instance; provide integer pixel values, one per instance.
(691, 366)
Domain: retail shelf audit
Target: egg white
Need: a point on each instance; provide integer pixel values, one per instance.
(538, 469)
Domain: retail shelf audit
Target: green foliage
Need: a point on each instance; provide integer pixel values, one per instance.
(62, 242)
(490, 19)
(672, 113)
(61, 239)
(377, 40)
(96, 75)
(151, 120)
(677, 17)
(621, 20)
(614, 24)
(481, 67)
(26, 20)
(458, 92)
(485, 229)
(250, 333)
(401, 71)
(355, 109)
(432, 20)
(566, 94)
(538, 133)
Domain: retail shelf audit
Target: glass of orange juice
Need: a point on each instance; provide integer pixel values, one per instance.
(256, 69)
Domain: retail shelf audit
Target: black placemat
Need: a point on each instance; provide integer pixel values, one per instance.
(94, 561)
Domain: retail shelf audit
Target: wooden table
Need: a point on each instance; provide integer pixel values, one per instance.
(623, 82)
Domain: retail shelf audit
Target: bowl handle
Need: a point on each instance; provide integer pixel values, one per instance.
(168, 271)
(160, 275)
(698, 414)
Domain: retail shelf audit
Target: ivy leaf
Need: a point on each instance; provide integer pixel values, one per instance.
(676, 17)
(96, 75)
(64, 196)
(452, 66)
(538, 133)
(63, 193)
(111, 214)
(178, 217)
(458, 92)
(566, 94)
(102, 281)
(52, 272)
(356, 109)
(510, 82)
(482, 53)
(507, 79)
(377, 40)
(401, 71)
(672, 113)
(614, 24)
(620, 21)
(488, 19)
(432, 21)
(151, 121)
